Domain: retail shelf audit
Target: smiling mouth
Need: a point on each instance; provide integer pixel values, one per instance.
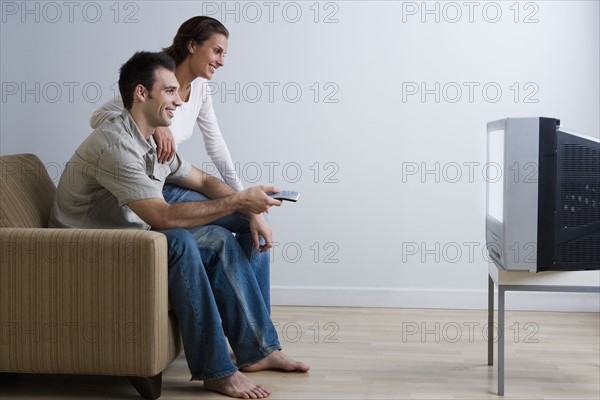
(170, 113)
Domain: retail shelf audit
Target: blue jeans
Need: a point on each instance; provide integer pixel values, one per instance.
(238, 224)
(214, 294)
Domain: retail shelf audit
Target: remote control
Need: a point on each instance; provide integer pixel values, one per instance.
(288, 195)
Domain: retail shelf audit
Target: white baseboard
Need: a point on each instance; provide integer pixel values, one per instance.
(430, 298)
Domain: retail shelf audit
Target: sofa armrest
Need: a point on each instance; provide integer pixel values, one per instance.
(83, 301)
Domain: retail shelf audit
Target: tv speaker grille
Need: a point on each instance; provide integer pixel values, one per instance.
(580, 186)
(585, 250)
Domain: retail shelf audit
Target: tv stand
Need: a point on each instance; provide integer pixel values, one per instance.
(547, 281)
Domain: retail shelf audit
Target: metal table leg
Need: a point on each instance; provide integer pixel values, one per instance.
(490, 321)
(500, 340)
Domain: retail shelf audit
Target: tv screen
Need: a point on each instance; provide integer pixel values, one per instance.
(543, 196)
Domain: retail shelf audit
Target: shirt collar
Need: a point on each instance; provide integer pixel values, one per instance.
(148, 145)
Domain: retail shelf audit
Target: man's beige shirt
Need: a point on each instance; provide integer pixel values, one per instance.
(113, 167)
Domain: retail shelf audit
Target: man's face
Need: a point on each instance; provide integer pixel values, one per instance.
(163, 99)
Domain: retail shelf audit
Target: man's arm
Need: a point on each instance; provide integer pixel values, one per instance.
(161, 215)
(208, 185)
(214, 188)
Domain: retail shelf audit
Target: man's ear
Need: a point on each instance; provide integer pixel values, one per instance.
(140, 94)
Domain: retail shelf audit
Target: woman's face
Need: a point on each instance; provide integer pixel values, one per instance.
(210, 55)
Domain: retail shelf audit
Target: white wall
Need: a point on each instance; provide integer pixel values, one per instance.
(392, 181)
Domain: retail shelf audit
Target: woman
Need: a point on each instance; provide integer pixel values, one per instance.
(199, 49)
(196, 62)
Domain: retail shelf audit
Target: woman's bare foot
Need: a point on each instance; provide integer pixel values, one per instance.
(277, 360)
(238, 386)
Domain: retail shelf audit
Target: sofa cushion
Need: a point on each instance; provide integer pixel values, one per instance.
(26, 192)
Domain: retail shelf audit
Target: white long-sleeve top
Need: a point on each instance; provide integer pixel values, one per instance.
(199, 109)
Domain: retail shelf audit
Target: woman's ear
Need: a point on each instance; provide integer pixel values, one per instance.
(191, 47)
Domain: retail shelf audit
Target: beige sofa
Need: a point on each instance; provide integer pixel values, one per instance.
(79, 301)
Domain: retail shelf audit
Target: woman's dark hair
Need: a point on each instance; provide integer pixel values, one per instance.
(139, 70)
(197, 30)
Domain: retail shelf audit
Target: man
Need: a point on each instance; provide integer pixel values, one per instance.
(114, 180)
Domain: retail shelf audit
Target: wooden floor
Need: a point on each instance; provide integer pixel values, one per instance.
(389, 354)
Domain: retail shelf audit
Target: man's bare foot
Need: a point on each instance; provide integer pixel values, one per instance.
(277, 360)
(238, 386)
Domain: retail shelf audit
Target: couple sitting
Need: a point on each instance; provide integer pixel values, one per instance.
(216, 281)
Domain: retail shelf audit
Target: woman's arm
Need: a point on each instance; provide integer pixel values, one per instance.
(215, 145)
(165, 144)
(107, 110)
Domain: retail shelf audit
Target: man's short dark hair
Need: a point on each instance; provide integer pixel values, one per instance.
(139, 70)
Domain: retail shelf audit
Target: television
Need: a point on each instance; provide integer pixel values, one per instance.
(543, 196)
